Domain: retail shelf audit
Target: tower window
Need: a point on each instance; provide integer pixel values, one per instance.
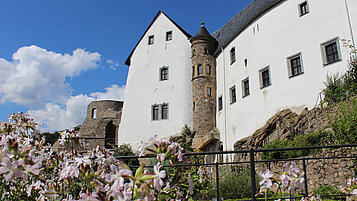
(303, 8)
(233, 96)
(264, 75)
(164, 73)
(94, 113)
(199, 69)
(245, 87)
(151, 40)
(295, 65)
(205, 50)
(194, 106)
(233, 55)
(331, 52)
(209, 91)
(193, 71)
(208, 69)
(168, 35)
(220, 103)
(164, 111)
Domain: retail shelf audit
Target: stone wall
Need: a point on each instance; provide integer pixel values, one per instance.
(323, 171)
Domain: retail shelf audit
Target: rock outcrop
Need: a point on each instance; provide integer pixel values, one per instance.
(284, 125)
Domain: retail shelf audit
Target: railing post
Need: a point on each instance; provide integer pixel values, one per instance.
(305, 178)
(217, 180)
(252, 174)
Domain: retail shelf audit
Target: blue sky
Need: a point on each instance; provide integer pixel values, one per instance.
(57, 56)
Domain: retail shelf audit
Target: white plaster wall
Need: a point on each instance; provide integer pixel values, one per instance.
(282, 33)
(144, 87)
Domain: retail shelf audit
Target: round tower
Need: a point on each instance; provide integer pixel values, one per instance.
(203, 46)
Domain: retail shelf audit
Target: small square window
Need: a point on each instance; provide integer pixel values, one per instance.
(233, 55)
(168, 35)
(331, 52)
(295, 65)
(199, 69)
(233, 94)
(208, 69)
(303, 8)
(245, 87)
(151, 40)
(164, 111)
(209, 91)
(220, 103)
(264, 75)
(155, 112)
(164, 73)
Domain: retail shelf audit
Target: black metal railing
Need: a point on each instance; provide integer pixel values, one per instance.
(252, 161)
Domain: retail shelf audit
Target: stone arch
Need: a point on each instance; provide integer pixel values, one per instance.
(110, 134)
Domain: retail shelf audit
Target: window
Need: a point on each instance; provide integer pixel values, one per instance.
(208, 69)
(193, 106)
(160, 111)
(264, 75)
(245, 87)
(209, 91)
(220, 103)
(295, 65)
(246, 62)
(233, 55)
(303, 8)
(164, 111)
(164, 73)
(199, 69)
(205, 50)
(193, 71)
(155, 112)
(233, 96)
(151, 40)
(331, 52)
(94, 113)
(168, 35)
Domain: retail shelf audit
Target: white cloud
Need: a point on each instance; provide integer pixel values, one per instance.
(36, 76)
(112, 64)
(55, 117)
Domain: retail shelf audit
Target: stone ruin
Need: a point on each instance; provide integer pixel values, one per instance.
(100, 128)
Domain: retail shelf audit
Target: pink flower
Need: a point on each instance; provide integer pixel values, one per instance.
(88, 197)
(158, 183)
(266, 179)
(11, 168)
(161, 157)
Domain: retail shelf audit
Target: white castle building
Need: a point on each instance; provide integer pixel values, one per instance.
(273, 55)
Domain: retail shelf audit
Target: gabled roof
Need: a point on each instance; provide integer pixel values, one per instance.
(238, 23)
(127, 62)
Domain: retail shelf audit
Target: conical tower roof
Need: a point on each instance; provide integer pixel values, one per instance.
(203, 33)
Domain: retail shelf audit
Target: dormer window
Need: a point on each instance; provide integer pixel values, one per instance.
(151, 40)
(168, 35)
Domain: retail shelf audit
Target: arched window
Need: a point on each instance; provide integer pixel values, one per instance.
(94, 113)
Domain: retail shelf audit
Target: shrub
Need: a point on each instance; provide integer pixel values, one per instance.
(126, 150)
(329, 190)
(235, 183)
(344, 121)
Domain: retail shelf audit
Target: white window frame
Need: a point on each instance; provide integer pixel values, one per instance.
(323, 50)
(261, 77)
(233, 55)
(161, 71)
(243, 88)
(307, 8)
(232, 95)
(168, 35)
(151, 39)
(290, 70)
